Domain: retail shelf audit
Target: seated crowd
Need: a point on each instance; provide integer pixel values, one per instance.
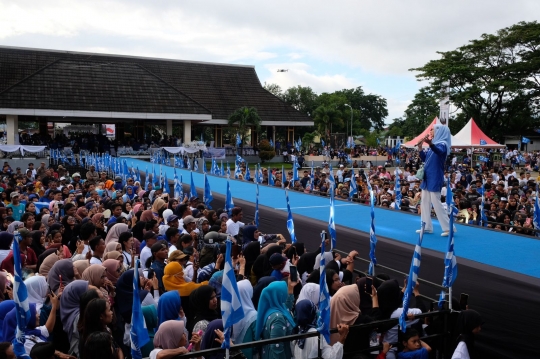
(78, 254)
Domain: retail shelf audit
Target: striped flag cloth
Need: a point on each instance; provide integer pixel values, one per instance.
(239, 159)
(450, 261)
(208, 198)
(397, 202)
(229, 204)
(312, 179)
(323, 319)
(166, 188)
(238, 139)
(248, 174)
(283, 177)
(322, 142)
(295, 172)
(196, 165)
(413, 278)
(188, 164)
(192, 189)
(228, 170)
(331, 177)
(237, 169)
(331, 222)
(231, 305)
(483, 217)
(138, 332)
(222, 171)
(353, 186)
(146, 178)
(204, 166)
(271, 179)
(372, 236)
(177, 187)
(290, 221)
(536, 216)
(20, 297)
(483, 142)
(257, 207)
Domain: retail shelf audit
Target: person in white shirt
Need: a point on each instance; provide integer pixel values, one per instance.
(234, 223)
(97, 245)
(172, 235)
(469, 323)
(189, 269)
(151, 239)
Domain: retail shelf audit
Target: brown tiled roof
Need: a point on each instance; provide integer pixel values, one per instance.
(48, 79)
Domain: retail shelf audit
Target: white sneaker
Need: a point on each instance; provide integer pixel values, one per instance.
(445, 234)
(425, 231)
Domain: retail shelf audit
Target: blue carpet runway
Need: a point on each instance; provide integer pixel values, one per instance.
(495, 248)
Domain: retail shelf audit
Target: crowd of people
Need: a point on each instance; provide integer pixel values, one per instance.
(80, 239)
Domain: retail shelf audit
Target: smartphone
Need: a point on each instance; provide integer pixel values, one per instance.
(369, 283)
(293, 273)
(50, 289)
(151, 273)
(463, 301)
(60, 279)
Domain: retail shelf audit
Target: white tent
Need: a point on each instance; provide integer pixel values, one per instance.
(472, 136)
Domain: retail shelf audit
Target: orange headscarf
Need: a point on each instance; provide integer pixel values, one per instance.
(173, 279)
(109, 184)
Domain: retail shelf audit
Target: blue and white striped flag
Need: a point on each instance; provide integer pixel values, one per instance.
(323, 319)
(295, 173)
(450, 261)
(196, 165)
(271, 178)
(283, 177)
(138, 175)
(290, 221)
(166, 188)
(331, 176)
(397, 201)
(372, 236)
(154, 176)
(238, 139)
(138, 332)
(192, 189)
(239, 159)
(536, 216)
(331, 222)
(146, 179)
(204, 166)
(237, 170)
(222, 171)
(525, 140)
(229, 203)
(272, 143)
(177, 187)
(483, 217)
(312, 178)
(228, 170)
(257, 207)
(20, 297)
(413, 278)
(188, 164)
(208, 198)
(231, 305)
(483, 159)
(353, 186)
(247, 177)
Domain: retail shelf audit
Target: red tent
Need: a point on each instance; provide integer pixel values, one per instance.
(472, 136)
(414, 141)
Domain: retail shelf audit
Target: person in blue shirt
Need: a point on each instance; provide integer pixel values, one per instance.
(413, 347)
(277, 261)
(17, 207)
(439, 141)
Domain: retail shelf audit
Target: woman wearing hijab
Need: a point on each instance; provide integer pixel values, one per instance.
(440, 142)
(274, 318)
(97, 220)
(171, 340)
(147, 216)
(81, 265)
(173, 279)
(169, 307)
(310, 291)
(130, 193)
(62, 273)
(115, 232)
(113, 246)
(204, 304)
(47, 259)
(38, 241)
(113, 270)
(469, 323)
(38, 290)
(244, 331)
(5, 307)
(151, 322)
(251, 252)
(32, 332)
(211, 340)
(345, 309)
(124, 295)
(95, 275)
(6, 239)
(157, 206)
(306, 318)
(13, 226)
(257, 290)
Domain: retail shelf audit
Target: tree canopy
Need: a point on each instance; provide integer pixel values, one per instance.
(244, 118)
(494, 79)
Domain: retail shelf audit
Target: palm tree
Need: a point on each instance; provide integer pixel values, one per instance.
(325, 117)
(244, 117)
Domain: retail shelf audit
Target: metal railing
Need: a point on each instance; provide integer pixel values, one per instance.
(373, 325)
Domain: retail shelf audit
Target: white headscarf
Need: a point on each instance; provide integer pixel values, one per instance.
(250, 313)
(311, 292)
(37, 290)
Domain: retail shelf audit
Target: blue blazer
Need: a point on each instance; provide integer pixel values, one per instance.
(434, 160)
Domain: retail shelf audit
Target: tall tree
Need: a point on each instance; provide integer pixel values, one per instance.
(274, 89)
(325, 117)
(244, 118)
(301, 98)
(372, 109)
(495, 79)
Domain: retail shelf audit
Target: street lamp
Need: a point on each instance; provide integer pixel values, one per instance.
(351, 118)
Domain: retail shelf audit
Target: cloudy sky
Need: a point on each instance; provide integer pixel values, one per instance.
(325, 45)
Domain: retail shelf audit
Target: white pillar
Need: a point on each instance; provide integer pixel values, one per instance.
(12, 129)
(169, 127)
(187, 131)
